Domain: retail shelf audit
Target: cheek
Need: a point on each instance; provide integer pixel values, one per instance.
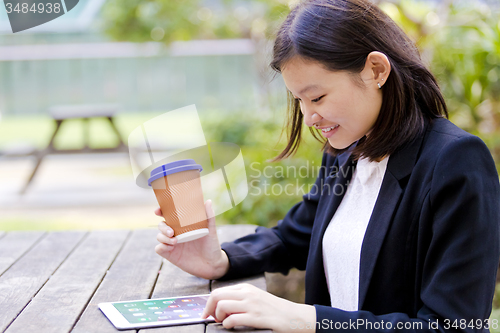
(362, 108)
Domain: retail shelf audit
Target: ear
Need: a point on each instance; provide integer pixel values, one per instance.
(377, 67)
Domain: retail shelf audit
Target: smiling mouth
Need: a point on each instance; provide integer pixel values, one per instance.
(326, 130)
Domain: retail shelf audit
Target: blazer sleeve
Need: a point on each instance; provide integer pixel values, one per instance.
(459, 272)
(279, 248)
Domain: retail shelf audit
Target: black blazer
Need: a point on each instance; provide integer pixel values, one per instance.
(431, 248)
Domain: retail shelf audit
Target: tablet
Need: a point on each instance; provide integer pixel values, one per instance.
(156, 312)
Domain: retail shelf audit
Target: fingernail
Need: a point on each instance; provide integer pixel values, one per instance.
(170, 233)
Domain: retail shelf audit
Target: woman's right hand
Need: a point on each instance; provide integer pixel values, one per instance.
(202, 257)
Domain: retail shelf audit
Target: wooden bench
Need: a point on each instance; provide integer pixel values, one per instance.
(53, 281)
(62, 113)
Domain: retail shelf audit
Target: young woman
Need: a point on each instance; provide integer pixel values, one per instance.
(401, 231)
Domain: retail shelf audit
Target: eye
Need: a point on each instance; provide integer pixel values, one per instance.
(317, 99)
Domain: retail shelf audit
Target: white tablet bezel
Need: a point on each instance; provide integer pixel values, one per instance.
(121, 323)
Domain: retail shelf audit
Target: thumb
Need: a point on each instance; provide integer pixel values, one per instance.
(211, 217)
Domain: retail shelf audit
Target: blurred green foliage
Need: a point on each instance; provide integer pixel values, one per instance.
(274, 187)
(173, 20)
(467, 63)
(462, 47)
(135, 20)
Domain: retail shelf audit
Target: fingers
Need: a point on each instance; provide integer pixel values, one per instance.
(158, 212)
(165, 229)
(210, 211)
(241, 319)
(235, 313)
(226, 308)
(211, 217)
(242, 305)
(221, 294)
(163, 250)
(165, 239)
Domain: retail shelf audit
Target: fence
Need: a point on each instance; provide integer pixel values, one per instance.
(211, 74)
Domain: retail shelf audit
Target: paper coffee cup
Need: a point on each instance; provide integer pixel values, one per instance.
(177, 186)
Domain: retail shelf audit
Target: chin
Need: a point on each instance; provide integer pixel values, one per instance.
(339, 145)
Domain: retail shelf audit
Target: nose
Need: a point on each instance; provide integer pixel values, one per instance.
(310, 116)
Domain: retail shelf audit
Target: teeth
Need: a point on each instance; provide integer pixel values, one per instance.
(325, 130)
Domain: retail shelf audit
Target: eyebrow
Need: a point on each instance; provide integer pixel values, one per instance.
(310, 87)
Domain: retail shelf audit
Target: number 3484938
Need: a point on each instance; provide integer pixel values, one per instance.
(35, 8)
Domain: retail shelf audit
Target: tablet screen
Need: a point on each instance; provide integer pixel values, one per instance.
(189, 307)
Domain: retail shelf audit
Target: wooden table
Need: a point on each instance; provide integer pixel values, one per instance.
(62, 113)
(53, 281)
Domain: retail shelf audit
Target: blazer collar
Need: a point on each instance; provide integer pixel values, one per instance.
(402, 161)
(400, 165)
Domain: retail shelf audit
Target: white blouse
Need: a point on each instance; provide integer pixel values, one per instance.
(344, 235)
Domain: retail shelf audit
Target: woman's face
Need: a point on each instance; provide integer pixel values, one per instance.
(332, 99)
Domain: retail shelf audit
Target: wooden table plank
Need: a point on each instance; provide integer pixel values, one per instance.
(216, 327)
(229, 233)
(175, 282)
(132, 276)
(14, 244)
(63, 298)
(25, 277)
(226, 234)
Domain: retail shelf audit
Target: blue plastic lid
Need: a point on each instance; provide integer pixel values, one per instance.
(173, 167)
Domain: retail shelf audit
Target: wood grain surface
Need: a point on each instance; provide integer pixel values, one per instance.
(54, 281)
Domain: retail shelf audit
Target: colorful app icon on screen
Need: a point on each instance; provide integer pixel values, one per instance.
(164, 317)
(129, 305)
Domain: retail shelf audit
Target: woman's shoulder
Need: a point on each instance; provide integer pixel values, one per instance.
(442, 134)
(444, 127)
(447, 145)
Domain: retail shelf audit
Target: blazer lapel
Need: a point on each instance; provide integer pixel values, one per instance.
(385, 206)
(400, 165)
(334, 189)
